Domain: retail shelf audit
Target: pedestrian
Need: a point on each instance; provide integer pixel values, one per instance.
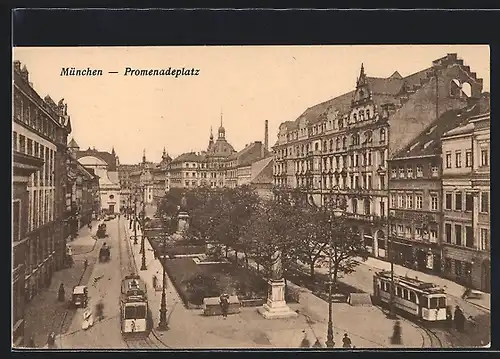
(459, 319)
(155, 281)
(99, 310)
(305, 343)
(346, 341)
(224, 305)
(61, 295)
(466, 293)
(51, 340)
(397, 333)
(449, 316)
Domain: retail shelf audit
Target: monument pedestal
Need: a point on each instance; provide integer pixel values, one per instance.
(182, 224)
(276, 307)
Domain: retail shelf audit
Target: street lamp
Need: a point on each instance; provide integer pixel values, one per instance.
(337, 212)
(163, 325)
(143, 251)
(392, 313)
(135, 220)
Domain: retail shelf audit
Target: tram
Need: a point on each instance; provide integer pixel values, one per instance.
(422, 300)
(133, 305)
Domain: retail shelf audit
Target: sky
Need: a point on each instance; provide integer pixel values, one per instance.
(246, 84)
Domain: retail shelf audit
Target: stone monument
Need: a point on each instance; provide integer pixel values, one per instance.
(276, 307)
(183, 217)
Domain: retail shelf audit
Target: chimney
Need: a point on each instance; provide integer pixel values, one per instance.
(266, 135)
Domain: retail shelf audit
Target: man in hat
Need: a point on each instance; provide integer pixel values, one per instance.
(224, 305)
(346, 341)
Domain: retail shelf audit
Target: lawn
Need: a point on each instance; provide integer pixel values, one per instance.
(319, 285)
(176, 248)
(194, 282)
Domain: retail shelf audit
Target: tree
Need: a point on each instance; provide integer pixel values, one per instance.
(312, 239)
(346, 244)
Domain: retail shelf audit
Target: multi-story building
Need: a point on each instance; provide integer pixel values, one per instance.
(161, 177)
(343, 144)
(466, 189)
(39, 134)
(83, 185)
(262, 180)
(105, 166)
(239, 165)
(142, 180)
(124, 172)
(188, 171)
(415, 196)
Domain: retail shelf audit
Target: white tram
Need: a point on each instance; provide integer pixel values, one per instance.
(133, 305)
(422, 300)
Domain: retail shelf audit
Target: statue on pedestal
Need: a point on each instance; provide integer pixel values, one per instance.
(276, 266)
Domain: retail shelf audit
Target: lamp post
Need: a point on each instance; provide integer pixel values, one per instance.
(392, 313)
(337, 212)
(163, 325)
(135, 220)
(143, 251)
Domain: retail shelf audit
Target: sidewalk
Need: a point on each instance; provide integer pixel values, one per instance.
(451, 287)
(191, 329)
(45, 314)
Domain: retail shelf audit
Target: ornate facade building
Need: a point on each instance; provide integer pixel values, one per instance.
(104, 165)
(39, 136)
(415, 195)
(466, 189)
(219, 166)
(161, 177)
(343, 144)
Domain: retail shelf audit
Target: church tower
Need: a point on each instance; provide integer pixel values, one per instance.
(222, 130)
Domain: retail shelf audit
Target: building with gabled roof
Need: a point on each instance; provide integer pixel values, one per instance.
(343, 144)
(466, 237)
(415, 194)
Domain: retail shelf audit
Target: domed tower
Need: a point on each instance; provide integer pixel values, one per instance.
(222, 130)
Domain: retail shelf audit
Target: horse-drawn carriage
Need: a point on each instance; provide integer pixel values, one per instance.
(101, 231)
(104, 253)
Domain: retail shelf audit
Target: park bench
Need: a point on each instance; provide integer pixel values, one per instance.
(211, 305)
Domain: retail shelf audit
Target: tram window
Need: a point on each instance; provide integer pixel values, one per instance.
(386, 286)
(130, 312)
(433, 303)
(413, 297)
(135, 312)
(398, 291)
(140, 312)
(442, 302)
(405, 294)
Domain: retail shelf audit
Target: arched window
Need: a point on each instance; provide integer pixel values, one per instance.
(466, 89)
(355, 117)
(337, 143)
(367, 206)
(344, 142)
(325, 146)
(341, 123)
(368, 114)
(331, 144)
(361, 115)
(455, 88)
(316, 146)
(354, 205)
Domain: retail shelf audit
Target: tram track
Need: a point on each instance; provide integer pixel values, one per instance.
(429, 338)
(137, 341)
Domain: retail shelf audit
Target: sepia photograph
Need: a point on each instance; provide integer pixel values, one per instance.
(251, 197)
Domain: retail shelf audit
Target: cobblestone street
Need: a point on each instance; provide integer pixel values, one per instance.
(45, 314)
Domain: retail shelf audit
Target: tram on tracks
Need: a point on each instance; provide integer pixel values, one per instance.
(421, 300)
(133, 305)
